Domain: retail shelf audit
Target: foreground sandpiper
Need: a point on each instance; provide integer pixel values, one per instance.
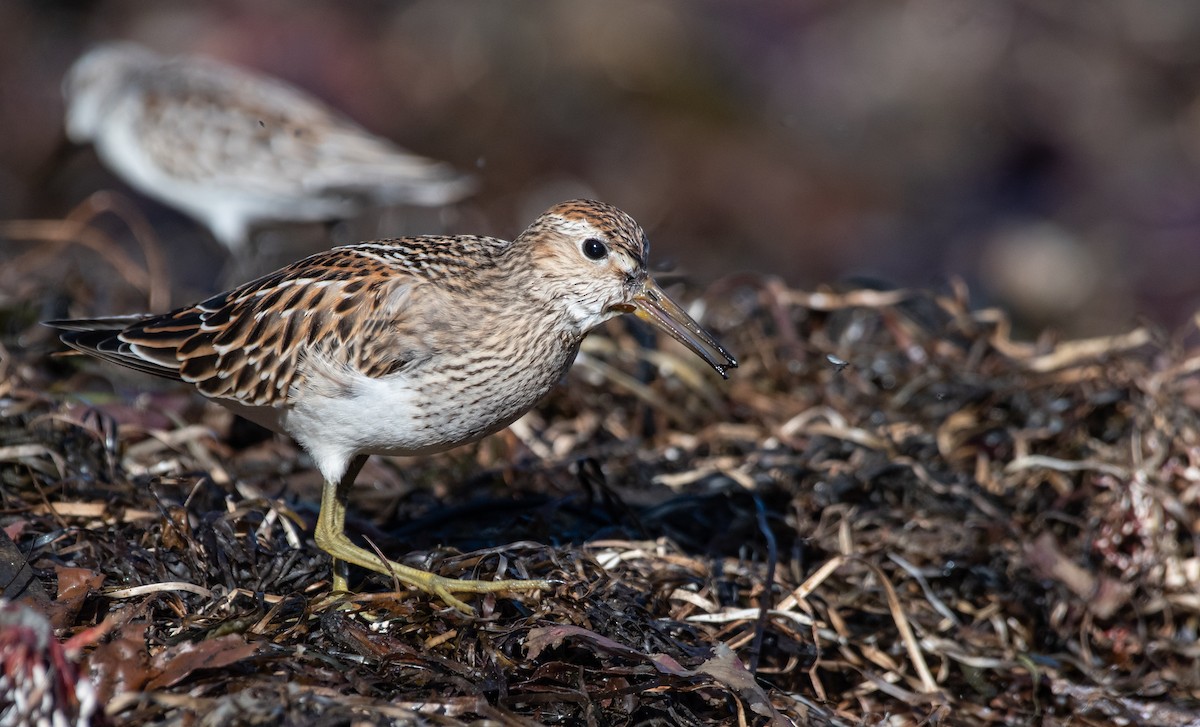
(406, 346)
(232, 148)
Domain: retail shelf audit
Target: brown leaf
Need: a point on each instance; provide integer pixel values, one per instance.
(120, 665)
(724, 667)
(548, 636)
(542, 637)
(727, 669)
(74, 585)
(176, 663)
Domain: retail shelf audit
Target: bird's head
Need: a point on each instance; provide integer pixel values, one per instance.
(590, 259)
(95, 81)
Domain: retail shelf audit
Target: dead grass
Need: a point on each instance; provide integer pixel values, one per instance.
(892, 513)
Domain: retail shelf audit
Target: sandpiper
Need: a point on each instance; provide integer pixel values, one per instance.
(232, 149)
(405, 346)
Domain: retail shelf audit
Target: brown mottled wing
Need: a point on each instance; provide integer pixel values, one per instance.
(249, 344)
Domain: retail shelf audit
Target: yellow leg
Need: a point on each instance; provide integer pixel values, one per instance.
(331, 537)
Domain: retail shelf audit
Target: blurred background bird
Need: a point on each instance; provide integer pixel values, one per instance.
(1048, 158)
(234, 149)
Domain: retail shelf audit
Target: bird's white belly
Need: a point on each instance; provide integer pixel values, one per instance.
(381, 417)
(391, 416)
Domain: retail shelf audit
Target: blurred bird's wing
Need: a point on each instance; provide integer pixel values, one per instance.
(256, 132)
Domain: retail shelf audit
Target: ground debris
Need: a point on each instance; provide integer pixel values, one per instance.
(891, 512)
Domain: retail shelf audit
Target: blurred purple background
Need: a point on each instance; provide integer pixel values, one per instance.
(1047, 153)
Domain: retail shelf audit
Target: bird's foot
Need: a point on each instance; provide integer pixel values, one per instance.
(439, 586)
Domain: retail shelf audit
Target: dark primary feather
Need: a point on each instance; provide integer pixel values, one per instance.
(95, 324)
(100, 337)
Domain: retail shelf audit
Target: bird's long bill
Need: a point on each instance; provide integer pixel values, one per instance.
(651, 304)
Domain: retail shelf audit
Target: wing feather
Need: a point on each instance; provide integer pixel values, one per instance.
(250, 344)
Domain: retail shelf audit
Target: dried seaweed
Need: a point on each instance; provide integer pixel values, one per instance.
(892, 511)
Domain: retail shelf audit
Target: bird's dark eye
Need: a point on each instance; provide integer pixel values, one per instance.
(594, 249)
